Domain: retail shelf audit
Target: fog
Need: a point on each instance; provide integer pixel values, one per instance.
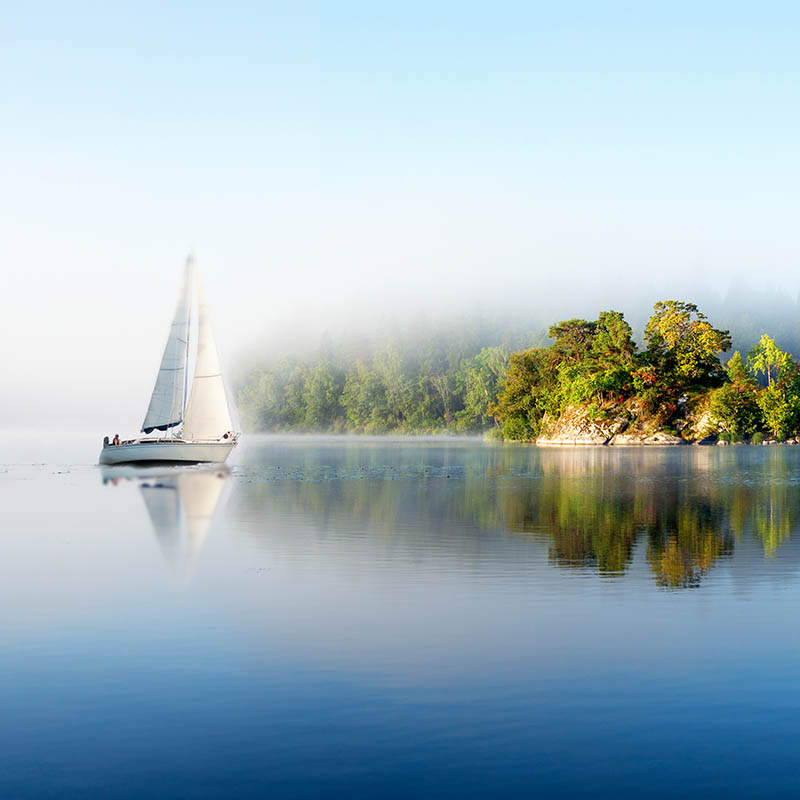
(357, 172)
(95, 361)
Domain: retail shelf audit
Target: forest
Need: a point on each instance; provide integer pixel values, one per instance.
(429, 380)
(505, 383)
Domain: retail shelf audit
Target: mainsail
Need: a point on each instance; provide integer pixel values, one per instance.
(207, 412)
(169, 393)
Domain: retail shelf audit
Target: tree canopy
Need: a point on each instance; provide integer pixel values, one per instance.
(466, 384)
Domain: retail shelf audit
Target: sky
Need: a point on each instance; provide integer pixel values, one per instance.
(333, 165)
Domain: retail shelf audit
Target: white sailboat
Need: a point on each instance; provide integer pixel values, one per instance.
(198, 421)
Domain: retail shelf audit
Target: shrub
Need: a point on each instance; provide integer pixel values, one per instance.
(758, 437)
(516, 430)
(494, 434)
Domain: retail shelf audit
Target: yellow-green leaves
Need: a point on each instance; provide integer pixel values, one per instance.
(680, 336)
(766, 358)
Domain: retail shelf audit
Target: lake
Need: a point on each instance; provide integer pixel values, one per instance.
(403, 618)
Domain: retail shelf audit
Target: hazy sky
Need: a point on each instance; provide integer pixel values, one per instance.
(331, 164)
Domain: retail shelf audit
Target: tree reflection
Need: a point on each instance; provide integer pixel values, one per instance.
(685, 543)
(596, 508)
(768, 505)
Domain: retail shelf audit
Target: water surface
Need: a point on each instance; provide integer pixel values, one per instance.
(403, 618)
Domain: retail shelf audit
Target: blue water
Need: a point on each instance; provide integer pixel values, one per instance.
(389, 618)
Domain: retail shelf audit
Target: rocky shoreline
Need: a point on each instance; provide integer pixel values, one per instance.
(661, 438)
(577, 427)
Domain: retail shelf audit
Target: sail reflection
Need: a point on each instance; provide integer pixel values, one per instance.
(181, 505)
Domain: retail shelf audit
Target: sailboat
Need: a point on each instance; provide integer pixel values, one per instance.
(197, 420)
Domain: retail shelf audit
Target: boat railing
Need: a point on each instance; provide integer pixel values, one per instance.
(172, 440)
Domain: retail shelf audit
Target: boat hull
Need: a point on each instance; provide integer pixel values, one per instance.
(166, 451)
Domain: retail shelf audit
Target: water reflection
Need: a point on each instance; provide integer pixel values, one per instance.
(181, 504)
(393, 614)
(684, 509)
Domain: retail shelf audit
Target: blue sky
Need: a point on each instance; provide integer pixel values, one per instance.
(329, 162)
(553, 143)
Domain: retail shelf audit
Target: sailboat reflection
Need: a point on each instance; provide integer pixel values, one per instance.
(181, 504)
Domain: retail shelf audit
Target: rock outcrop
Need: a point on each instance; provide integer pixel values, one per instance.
(578, 425)
(628, 424)
(659, 437)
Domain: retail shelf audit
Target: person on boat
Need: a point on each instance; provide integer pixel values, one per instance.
(115, 441)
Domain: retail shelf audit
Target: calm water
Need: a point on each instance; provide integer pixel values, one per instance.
(403, 619)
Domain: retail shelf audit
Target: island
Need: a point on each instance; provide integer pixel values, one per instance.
(587, 382)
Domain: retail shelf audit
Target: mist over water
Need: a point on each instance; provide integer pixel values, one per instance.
(101, 381)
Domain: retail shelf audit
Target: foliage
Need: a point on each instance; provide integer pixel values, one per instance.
(683, 345)
(766, 358)
(735, 404)
(479, 379)
(425, 385)
(780, 401)
(779, 410)
(522, 401)
(466, 384)
(322, 387)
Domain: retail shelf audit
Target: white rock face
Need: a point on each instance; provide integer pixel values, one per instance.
(706, 425)
(664, 438)
(622, 439)
(576, 427)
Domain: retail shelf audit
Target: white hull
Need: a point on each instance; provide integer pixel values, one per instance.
(170, 451)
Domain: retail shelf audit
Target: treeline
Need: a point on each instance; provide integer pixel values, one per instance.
(430, 381)
(470, 379)
(676, 382)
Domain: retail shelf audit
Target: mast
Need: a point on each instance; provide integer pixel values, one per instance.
(189, 270)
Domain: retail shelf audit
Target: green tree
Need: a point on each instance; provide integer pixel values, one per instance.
(390, 368)
(273, 399)
(591, 361)
(573, 339)
(681, 341)
(737, 371)
(612, 356)
(735, 404)
(480, 378)
(364, 401)
(521, 403)
(766, 358)
(779, 410)
(780, 401)
(322, 388)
